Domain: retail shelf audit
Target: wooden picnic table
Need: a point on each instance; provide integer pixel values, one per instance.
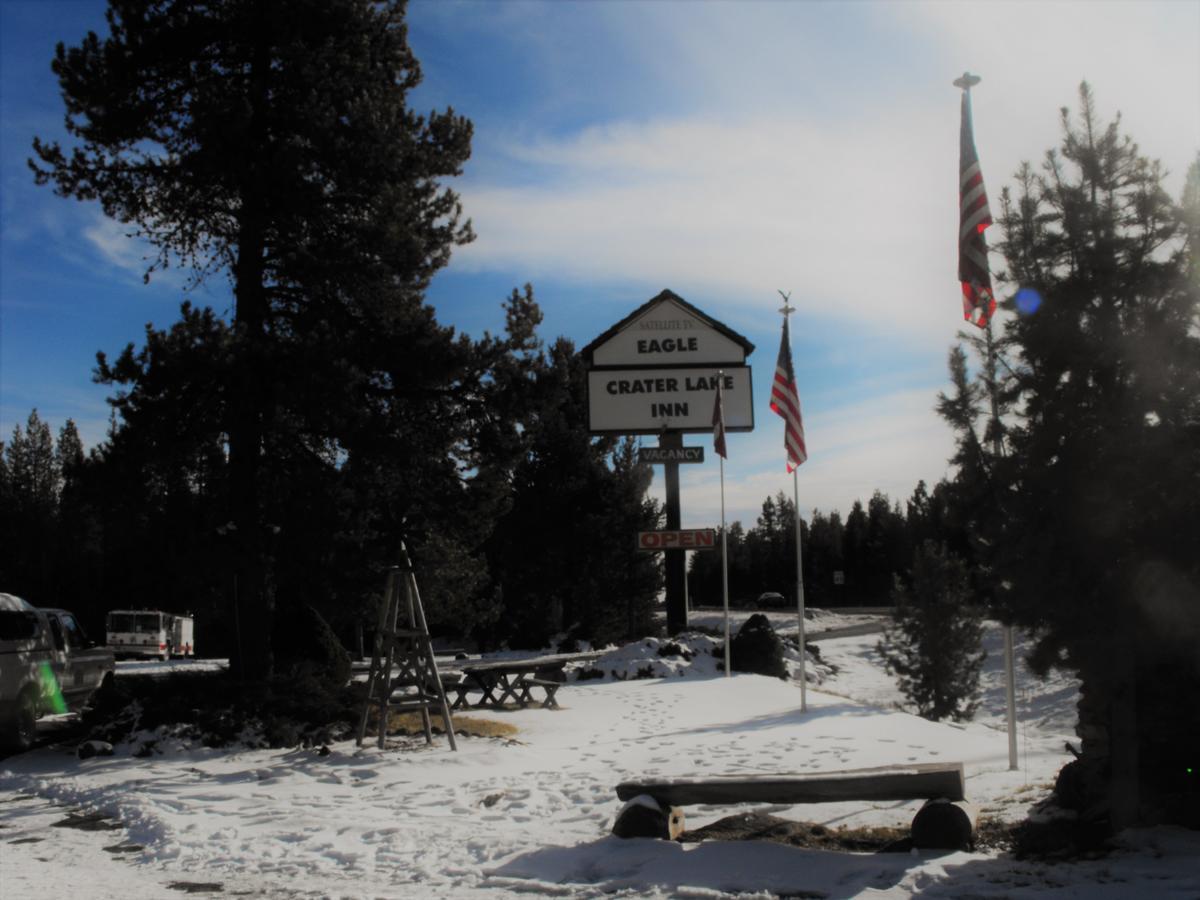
(501, 681)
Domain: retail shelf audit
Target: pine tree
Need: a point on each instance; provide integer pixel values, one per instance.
(934, 645)
(558, 557)
(1101, 492)
(271, 142)
(854, 554)
(823, 559)
(29, 513)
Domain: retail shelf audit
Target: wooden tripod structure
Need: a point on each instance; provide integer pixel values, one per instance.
(402, 643)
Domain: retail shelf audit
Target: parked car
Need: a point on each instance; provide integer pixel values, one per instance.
(771, 600)
(47, 664)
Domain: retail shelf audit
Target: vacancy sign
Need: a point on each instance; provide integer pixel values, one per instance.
(687, 539)
(657, 370)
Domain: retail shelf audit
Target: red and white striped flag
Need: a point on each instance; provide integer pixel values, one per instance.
(718, 421)
(974, 217)
(785, 401)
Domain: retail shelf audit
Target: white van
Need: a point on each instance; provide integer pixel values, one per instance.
(47, 665)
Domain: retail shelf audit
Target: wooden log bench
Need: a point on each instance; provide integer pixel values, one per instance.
(920, 781)
(942, 822)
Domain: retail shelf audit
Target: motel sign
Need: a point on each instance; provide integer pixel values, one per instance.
(683, 539)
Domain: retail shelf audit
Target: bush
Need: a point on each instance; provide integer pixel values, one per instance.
(934, 646)
(756, 648)
(670, 648)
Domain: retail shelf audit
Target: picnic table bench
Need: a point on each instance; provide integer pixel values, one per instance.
(503, 681)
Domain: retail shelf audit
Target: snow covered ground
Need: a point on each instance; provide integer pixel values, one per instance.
(531, 815)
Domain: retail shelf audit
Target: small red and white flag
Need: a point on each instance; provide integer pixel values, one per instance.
(718, 421)
(785, 401)
(974, 217)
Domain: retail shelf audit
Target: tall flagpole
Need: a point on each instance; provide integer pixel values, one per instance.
(724, 535)
(787, 310)
(1010, 669)
(725, 569)
(966, 82)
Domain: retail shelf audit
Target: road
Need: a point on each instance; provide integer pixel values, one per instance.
(847, 631)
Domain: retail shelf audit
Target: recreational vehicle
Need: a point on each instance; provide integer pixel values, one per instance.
(150, 632)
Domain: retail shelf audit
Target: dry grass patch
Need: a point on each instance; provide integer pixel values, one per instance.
(409, 724)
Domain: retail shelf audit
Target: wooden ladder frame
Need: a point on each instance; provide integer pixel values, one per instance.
(416, 684)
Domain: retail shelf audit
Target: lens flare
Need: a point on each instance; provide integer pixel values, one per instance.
(51, 691)
(1028, 301)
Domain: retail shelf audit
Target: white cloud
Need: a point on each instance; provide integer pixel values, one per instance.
(738, 209)
(825, 160)
(116, 245)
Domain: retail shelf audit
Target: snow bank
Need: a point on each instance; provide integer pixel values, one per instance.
(506, 818)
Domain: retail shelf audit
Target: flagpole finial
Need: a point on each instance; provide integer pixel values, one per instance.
(967, 81)
(787, 309)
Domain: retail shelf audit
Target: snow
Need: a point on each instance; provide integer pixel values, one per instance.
(504, 818)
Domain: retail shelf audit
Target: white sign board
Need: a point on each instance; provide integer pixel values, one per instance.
(645, 401)
(668, 334)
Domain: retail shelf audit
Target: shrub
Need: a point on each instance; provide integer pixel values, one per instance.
(934, 646)
(756, 648)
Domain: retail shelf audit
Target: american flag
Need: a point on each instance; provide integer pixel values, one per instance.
(719, 421)
(974, 216)
(785, 401)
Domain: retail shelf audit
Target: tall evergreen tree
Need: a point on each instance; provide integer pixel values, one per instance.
(562, 558)
(1101, 492)
(823, 559)
(32, 483)
(854, 553)
(271, 141)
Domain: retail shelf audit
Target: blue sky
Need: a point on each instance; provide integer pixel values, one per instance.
(722, 150)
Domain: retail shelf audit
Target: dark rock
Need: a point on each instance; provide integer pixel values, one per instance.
(944, 825)
(643, 816)
(88, 749)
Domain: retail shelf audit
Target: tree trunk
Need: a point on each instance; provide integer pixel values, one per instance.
(1123, 788)
(249, 403)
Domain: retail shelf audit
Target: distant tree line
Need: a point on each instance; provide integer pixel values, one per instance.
(845, 563)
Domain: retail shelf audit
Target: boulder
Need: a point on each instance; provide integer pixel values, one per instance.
(643, 816)
(945, 825)
(88, 749)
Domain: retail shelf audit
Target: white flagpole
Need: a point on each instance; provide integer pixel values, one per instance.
(966, 82)
(724, 535)
(800, 596)
(787, 310)
(725, 568)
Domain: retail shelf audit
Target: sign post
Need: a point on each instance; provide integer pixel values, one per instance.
(675, 561)
(656, 372)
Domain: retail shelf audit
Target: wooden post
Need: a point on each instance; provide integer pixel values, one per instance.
(674, 561)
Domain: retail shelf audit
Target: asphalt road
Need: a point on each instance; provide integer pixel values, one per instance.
(846, 631)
